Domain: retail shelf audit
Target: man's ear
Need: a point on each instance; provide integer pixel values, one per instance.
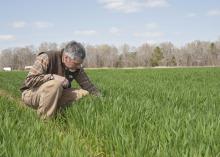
(65, 57)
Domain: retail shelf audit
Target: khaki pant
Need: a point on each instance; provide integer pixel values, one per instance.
(50, 96)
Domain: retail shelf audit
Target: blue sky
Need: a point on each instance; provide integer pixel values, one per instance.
(30, 22)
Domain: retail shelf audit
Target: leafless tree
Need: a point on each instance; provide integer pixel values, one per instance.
(196, 53)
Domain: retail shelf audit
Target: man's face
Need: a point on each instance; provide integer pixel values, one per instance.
(71, 63)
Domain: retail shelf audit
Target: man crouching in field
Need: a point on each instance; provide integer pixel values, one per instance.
(48, 83)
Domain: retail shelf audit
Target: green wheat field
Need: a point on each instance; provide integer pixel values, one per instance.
(142, 113)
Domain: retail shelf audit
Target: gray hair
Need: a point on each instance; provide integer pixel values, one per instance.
(75, 51)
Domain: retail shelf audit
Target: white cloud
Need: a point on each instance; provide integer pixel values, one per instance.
(130, 6)
(37, 24)
(191, 15)
(85, 32)
(114, 30)
(19, 24)
(7, 37)
(152, 25)
(213, 13)
(41, 24)
(155, 34)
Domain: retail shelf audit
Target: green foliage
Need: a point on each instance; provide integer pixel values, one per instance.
(156, 57)
(213, 48)
(213, 54)
(172, 61)
(119, 62)
(148, 112)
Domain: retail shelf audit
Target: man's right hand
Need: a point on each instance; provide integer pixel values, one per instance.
(62, 79)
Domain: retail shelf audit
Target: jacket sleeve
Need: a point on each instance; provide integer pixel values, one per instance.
(83, 80)
(37, 74)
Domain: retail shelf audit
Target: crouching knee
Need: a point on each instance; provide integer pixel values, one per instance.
(52, 85)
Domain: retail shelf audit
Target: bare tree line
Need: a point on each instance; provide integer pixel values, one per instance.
(196, 53)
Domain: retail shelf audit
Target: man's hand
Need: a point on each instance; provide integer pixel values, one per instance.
(96, 93)
(62, 79)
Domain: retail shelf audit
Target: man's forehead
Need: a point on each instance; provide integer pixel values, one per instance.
(74, 59)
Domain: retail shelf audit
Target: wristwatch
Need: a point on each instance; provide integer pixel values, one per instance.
(51, 77)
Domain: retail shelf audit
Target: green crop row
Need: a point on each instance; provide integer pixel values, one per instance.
(146, 112)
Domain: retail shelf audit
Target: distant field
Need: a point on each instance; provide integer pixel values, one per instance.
(144, 112)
